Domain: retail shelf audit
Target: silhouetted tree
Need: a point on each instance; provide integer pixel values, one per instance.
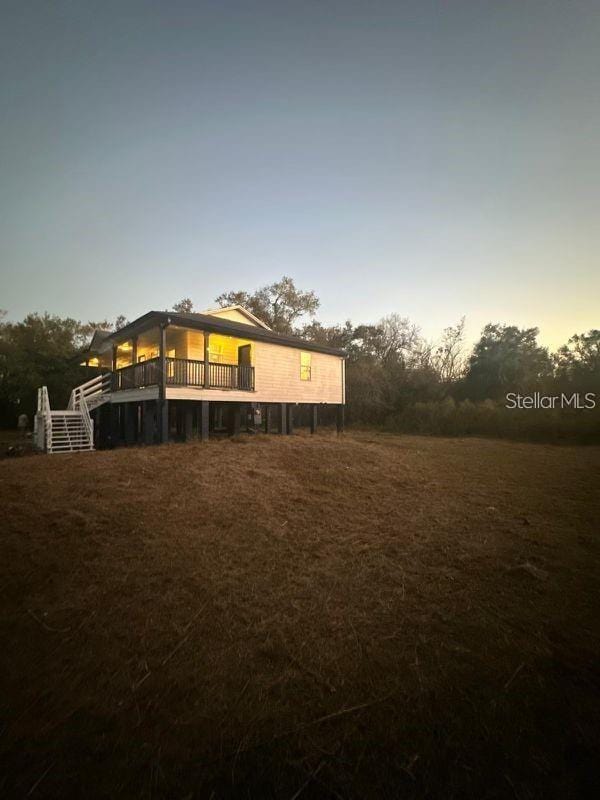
(577, 363)
(184, 306)
(40, 350)
(333, 335)
(506, 359)
(280, 304)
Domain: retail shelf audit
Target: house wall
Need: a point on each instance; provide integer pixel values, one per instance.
(187, 343)
(224, 349)
(277, 376)
(277, 379)
(277, 368)
(105, 359)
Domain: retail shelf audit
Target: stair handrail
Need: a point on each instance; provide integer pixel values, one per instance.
(88, 422)
(96, 387)
(44, 414)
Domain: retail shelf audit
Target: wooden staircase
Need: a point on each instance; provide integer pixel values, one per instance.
(70, 430)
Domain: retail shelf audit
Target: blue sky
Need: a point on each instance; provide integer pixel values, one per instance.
(434, 159)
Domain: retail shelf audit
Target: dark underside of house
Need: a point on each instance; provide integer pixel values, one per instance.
(159, 421)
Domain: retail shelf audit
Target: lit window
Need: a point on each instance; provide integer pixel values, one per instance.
(216, 351)
(304, 366)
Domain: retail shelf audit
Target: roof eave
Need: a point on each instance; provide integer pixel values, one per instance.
(219, 325)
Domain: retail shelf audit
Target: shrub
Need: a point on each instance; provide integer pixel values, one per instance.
(488, 418)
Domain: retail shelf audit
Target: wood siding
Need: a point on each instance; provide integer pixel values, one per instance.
(277, 379)
(232, 314)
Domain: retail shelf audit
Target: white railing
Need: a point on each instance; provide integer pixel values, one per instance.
(83, 399)
(90, 395)
(43, 421)
(94, 392)
(88, 422)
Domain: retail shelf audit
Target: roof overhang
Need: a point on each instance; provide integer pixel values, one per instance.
(213, 324)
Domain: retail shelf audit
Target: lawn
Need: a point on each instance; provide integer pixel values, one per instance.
(302, 617)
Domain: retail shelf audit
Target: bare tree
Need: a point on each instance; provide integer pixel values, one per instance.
(448, 358)
(280, 304)
(401, 340)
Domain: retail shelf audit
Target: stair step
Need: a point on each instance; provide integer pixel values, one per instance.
(70, 444)
(68, 430)
(68, 427)
(58, 450)
(67, 443)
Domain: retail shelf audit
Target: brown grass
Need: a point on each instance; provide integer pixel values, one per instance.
(363, 616)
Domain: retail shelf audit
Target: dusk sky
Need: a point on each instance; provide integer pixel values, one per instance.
(434, 159)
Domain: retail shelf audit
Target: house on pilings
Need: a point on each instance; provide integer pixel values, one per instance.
(171, 376)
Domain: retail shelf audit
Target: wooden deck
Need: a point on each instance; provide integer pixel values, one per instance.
(184, 372)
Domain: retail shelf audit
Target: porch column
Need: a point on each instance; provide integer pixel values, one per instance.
(206, 360)
(164, 421)
(114, 357)
(189, 421)
(204, 417)
(114, 425)
(339, 419)
(134, 345)
(313, 418)
(163, 404)
(290, 418)
(102, 425)
(236, 420)
(130, 422)
(282, 418)
(148, 421)
(269, 418)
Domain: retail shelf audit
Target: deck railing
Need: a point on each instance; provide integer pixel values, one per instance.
(184, 372)
(231, 376)
(136, 376)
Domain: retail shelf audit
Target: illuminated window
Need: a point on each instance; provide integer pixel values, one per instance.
(305, 366)
(124, 354)
(216, 351)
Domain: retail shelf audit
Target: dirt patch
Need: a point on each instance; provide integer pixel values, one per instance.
(356, 616)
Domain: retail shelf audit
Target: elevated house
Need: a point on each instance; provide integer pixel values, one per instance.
(171, 376)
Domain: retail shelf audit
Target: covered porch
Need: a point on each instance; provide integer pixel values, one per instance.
(176, 356)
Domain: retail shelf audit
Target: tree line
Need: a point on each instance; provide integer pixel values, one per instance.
(396, 378)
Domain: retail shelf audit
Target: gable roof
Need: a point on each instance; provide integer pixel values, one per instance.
(100, 334)
(253, 320)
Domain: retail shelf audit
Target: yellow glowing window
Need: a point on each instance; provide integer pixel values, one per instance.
(216, 351)
(305, 366)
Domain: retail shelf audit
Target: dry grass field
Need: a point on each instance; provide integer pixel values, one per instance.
(365, 616)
